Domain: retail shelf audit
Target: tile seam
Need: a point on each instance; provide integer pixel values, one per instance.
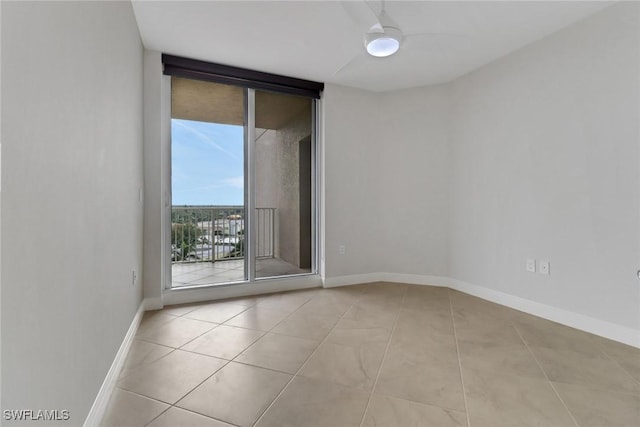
(384, 357)
(545, 375)
(305, 362)
(455, 337)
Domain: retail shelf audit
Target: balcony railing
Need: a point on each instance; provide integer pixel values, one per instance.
(213, 233)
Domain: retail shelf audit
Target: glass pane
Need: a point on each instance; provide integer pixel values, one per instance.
(283, 191)
(207, 182)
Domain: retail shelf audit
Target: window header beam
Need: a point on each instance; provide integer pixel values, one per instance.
(218, 73)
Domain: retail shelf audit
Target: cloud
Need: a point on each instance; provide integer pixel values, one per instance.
(203, 137)
(235, 182)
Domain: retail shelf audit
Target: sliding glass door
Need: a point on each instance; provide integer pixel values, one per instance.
(283, 184)
(207, 183)
(242, 184)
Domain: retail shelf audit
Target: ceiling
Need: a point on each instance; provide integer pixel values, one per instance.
(314, 39)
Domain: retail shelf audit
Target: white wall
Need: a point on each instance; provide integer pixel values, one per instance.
(71, 220)
(415, 204)
(386, 182)
(0, 206)
(156, 172)
(353, 159)
(545, 165)
(533, 156)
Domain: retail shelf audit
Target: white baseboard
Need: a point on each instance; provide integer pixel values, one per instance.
(183, 296)
(589, 324)
(416, 279)
(575, 320)
(412, 279)
(108, 385)
(354, 279)
(152, 303)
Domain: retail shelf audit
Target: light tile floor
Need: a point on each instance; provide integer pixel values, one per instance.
(211, 273)
(376, 354)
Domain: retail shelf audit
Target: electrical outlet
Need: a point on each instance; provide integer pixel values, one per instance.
(134, 277)
(531, 265)
(544, 267)
(342, 249)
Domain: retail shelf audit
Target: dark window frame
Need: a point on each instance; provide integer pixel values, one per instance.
(219, 73)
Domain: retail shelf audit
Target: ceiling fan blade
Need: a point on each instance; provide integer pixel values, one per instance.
(361, 57)
(434, 34)
(361, 13)
(434, 41)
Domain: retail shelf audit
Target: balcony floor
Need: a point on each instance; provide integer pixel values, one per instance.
(211, 273)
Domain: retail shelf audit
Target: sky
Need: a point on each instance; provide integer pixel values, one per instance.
(207, 163)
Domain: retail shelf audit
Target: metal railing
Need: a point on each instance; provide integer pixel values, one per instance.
(213, 233)
(265, 239)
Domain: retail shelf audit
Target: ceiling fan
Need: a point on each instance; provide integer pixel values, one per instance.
(383, 37)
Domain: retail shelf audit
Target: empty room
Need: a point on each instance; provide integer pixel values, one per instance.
(320, 213)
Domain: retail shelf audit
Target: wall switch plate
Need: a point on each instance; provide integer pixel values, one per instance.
(544, 267)
(531, 265)
(342, 249)
(134, 277)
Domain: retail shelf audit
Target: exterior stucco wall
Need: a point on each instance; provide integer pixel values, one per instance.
(278, 181)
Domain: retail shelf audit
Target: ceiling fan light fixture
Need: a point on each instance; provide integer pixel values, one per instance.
(383, 44)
